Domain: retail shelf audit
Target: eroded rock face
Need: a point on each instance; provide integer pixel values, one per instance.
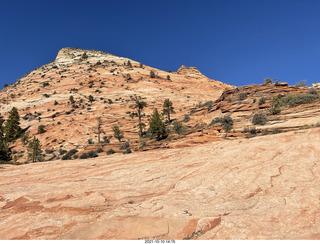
(260, 188)
(42, 97)
(184, 70)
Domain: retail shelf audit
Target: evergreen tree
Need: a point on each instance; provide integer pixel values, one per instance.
(129, 64)
(168, 108)
(118, 134)
(34, 150)
(139, 105)
(5, 153)
(226, 122)
(12, 126)
(157, 126)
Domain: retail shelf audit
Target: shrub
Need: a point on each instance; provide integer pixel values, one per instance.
(275, 110)
(168, 77)
(68, 155)
(267, 81)
(124, 146)
(251, 130)
(207, 104)
(62, 151)
(106, 139)
(92, 154)
(259, 119)
(178, 128)
(110, 151)
(313, 91)
(91, 99)
(127, 151)
(5, 85)
(83, 156)
(226, 122)
(186, 118)
(242, 96)
(262, 100)
(293, 100)
(301, 84)
(99, 150)
(90, 141)
(41, 129)
(49, 151)
(152, 74)
(71, 99)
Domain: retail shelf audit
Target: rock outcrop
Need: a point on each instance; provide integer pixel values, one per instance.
(189, 71)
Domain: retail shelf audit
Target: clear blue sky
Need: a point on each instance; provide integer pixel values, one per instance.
(235, 41)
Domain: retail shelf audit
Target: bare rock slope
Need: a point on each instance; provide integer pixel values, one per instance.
(261, 188)
(102, 86)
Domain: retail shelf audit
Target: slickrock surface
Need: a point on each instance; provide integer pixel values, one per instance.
(266, 187)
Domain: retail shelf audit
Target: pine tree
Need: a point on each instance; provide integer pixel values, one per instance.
(129, 64)
(157, 126)
(5, 153)
(139, 105)
(34, 150)
(168, 108)
(118, 134)
(12, 126)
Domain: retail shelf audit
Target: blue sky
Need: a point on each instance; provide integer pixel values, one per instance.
(237, 42)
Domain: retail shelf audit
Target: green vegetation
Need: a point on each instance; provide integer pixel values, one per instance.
(110, 151)
(301, 84)
(168, 109)
(178, 128)
(5, 153)
(71, 99)
(313, 91)
(12, 127)
(157, 127)
(105, 139)
(41, 129)
(91, 154)
(69, 154)
(91, 99)
(126, 147)
(262, 100)
(259, 119)
(152, 74)
(267, 81)
(226, 122)
(138, 106)
(251, 130)
(207, 104)
(84, 56)
(168, 77)
(292, 100)
(34, 150)
(117, 133)
(242, 96)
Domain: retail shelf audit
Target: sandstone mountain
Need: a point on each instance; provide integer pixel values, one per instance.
(259, 182)
(43, 98)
